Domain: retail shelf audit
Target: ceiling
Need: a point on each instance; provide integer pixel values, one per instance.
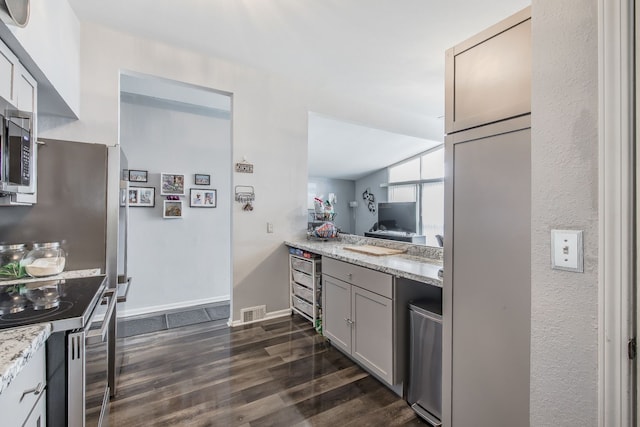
(388, 54)
(342, 150)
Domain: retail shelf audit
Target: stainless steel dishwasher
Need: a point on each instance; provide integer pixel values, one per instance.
(424, 392)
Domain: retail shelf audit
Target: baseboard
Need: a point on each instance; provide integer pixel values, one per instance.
(170, 307)
(269, 315)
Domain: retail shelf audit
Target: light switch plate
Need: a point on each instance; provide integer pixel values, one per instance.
(567, 252)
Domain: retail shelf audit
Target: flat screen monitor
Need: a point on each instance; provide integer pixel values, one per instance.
(398, 216)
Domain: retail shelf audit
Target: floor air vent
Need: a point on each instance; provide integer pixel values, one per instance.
(252, 314)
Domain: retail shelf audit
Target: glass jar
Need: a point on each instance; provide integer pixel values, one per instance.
(11, 257)
(45, 259)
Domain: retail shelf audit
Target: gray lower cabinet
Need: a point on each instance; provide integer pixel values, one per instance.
(23, 403)
(38, 416)
(337, 312)
(372, 338)
(358, 321)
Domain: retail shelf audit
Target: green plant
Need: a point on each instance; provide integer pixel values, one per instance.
(13, 270)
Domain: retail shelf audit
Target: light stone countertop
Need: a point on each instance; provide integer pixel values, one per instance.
(17, 347)
(411, 267)
(72, 274)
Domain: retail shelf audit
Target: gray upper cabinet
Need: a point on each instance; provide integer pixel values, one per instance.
(17, 87)
(8, 64)
(488, 77)
(26, 90)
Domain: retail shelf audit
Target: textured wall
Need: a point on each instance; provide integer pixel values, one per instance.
(564, 311)
(364, 218)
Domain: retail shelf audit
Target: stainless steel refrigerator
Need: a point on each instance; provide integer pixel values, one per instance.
(78, 203)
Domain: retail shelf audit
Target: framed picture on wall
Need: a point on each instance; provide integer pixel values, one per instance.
(137, 175)
(202, 179)
(203, 198)
(172, 209)
(171, 184)
(142, 197)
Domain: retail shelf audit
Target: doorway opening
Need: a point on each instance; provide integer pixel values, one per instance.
(179, 245)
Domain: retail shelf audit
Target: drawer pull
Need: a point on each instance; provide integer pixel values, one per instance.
(350, 276)
(36, 391)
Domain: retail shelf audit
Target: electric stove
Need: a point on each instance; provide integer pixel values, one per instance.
(66, 303)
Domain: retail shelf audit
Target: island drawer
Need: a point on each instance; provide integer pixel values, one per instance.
(371, 280)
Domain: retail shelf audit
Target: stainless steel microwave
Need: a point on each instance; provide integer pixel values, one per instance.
(17, 155)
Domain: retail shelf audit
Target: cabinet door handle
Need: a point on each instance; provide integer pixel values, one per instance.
(349, 321)
(36, 391)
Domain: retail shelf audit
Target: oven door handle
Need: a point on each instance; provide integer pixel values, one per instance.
(96, 336)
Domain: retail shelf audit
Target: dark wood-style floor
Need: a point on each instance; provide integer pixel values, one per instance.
(275, 373)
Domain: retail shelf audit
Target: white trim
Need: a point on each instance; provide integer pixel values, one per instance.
(171, 307)
(616, 225)
(270, 315)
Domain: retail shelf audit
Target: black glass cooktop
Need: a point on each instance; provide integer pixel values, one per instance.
(66, 304)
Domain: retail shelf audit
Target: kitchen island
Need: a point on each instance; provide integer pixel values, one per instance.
(363, 299)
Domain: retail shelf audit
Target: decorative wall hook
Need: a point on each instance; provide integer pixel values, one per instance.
(245, 194)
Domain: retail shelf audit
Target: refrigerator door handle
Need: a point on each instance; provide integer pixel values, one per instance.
(123, 290)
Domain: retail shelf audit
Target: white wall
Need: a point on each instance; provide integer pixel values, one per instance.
(269, 129)
(564, 305)
(364, 218)
(177, 262)
(344, 190)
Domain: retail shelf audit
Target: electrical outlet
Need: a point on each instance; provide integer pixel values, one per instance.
(269, 227)
(244, 167)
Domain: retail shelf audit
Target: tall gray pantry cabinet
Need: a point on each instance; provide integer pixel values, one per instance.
(487, 250)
